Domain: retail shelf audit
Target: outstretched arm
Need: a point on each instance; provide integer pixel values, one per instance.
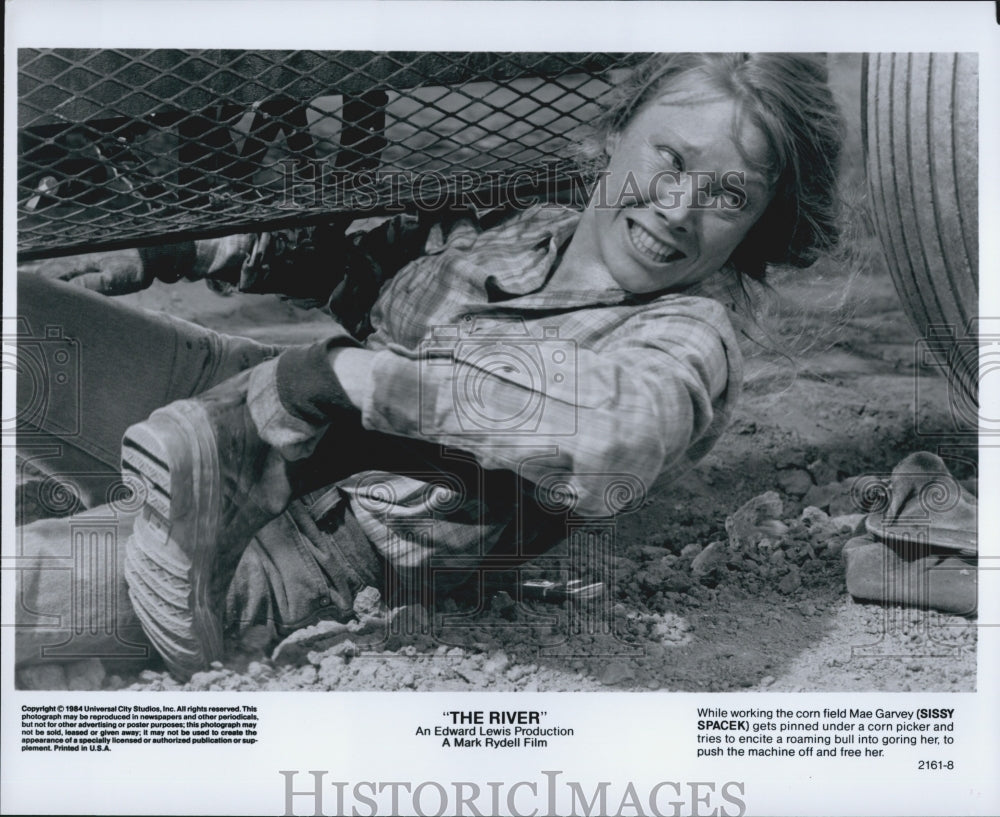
(119, 272)
(320, 263)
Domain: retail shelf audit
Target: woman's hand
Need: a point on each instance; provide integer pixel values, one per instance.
(111, 273)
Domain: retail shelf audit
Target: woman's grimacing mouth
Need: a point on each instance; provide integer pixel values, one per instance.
(651, 247)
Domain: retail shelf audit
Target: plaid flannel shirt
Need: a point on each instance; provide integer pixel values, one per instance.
(591, 398)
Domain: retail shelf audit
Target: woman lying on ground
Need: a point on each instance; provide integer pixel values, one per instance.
(412, 444)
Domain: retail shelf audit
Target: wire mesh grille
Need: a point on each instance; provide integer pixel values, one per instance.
(125, 147)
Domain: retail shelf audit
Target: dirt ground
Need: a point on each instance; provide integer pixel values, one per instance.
(832, 393)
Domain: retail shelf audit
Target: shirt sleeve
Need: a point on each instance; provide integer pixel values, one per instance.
(580, 424)
(317, 262)
(320, 264)
(369, 259)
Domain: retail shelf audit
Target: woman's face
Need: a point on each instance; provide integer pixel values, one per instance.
(678, 196)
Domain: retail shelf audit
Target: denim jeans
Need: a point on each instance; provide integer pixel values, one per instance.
(89, 367)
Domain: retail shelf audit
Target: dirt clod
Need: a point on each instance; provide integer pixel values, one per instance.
(795, 481)
(616, 672)
(88, 674)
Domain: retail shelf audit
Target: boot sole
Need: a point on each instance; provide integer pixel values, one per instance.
(174, 457)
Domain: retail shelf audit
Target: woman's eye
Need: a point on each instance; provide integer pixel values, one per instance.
(675, 160)
(731, 200)
(728, 199)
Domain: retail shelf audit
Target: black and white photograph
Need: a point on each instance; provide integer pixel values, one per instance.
(354, 391)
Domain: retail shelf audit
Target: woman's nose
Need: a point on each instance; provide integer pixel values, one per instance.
(673, 202)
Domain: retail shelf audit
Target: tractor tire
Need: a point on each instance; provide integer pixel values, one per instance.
(920, 131)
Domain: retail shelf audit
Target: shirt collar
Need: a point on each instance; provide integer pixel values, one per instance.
(541, 234)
